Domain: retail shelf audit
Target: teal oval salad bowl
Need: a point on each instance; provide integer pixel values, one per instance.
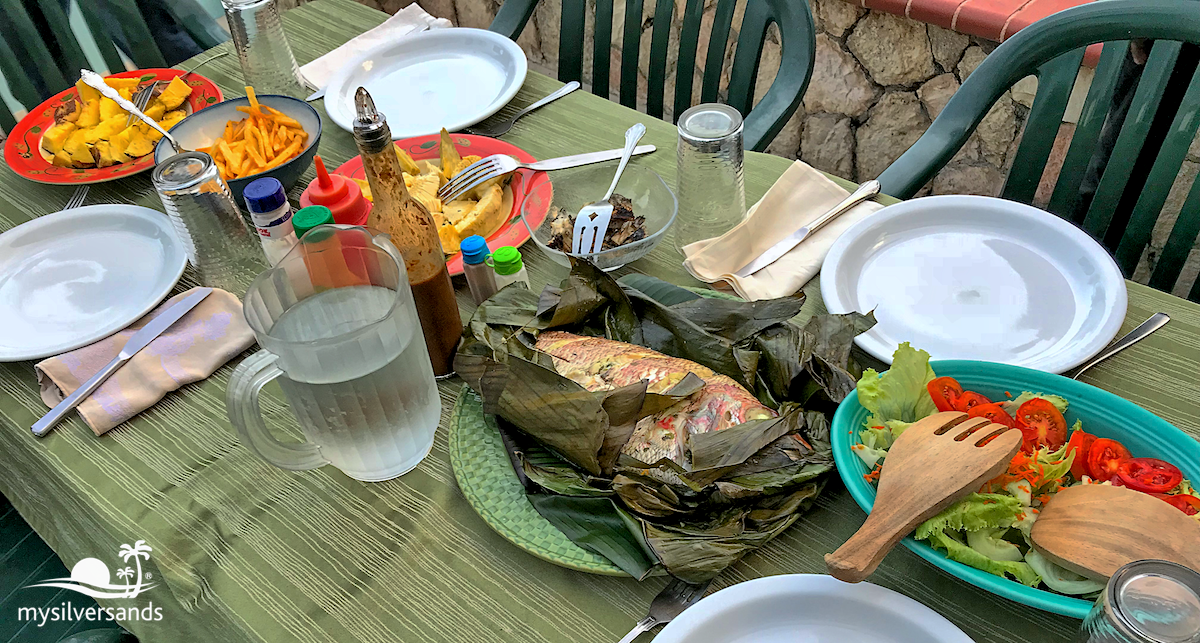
(1103, 414)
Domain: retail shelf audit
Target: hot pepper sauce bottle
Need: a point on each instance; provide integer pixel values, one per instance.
(412, 230)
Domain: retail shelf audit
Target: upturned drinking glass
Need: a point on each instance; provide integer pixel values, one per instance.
(1146, 601)
(709, 181)
(268, 64)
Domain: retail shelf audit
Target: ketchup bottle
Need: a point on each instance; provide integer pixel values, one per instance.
(342, 196)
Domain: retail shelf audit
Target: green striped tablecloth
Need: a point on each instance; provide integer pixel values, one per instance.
(247, 552)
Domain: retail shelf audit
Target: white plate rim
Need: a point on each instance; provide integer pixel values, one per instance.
(869, 595)
(344, 118)
(171, 274)
(1068, 360)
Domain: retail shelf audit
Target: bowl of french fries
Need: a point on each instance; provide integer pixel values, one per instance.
(252, 137)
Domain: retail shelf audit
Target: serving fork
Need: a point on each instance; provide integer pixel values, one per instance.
(501, 128)
(670, 602)
(142, 97)
(496, 165)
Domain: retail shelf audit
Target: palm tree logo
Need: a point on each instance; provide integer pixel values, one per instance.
(137, 552)
(125, 573)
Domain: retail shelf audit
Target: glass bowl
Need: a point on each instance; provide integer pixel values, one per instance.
(572, 189)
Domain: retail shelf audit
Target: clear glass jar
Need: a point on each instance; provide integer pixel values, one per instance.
(1146, 601)
(268, 64)
(220, 246)
(709, 182)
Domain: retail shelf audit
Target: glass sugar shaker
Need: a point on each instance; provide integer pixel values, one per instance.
(1146, 601)
(710, 185)
(219, 245)
(268, 64)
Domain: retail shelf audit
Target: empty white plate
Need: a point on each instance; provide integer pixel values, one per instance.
(806, 608)
(70, 278)
(969, 277)
(449, 78)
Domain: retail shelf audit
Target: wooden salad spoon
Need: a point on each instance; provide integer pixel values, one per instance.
(934, 463)
(1093, 530)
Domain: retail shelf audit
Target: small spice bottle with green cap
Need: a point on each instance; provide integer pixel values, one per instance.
(306, 219)
(506, 261)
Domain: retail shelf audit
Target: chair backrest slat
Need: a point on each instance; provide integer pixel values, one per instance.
(656, 79)
(631, 42)
(37, 56)
(145, 53)
(108, 51)
(1125, 152)
(602, 48)
(1162, 176)
(570, 43)
(16, 74)
(60, 26)
(1179, 245)
(689, 41)
(718, 40)
(748, 54)
(1055, 79)
(1087, 129)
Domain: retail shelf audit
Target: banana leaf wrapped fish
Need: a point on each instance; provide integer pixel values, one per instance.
(600, 364)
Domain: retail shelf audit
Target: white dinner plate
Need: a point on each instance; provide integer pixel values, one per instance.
(807, 608)
(449, 78)
(70, 278)
(971, 277)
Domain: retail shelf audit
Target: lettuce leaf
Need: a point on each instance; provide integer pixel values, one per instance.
(976, 511)
(899, 393)
(1060, 579)
(1011, 406)
(991, 543)
(958, 551)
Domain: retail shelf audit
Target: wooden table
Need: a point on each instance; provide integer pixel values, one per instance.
(247, 552)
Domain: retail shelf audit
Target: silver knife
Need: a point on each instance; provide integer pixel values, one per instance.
(140, 340)
(864, 192)
(564, 162)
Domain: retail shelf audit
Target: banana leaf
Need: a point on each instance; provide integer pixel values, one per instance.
(736, 489)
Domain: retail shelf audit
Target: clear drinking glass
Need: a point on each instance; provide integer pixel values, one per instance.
(268, 64)
(339, 330)
(1146, 601)
(709, 183)
(219, 245)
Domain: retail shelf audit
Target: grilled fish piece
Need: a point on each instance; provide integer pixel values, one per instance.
(599, 364)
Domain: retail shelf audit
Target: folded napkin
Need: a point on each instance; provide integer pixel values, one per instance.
(190, 350)
(411, 19)
(799, 196)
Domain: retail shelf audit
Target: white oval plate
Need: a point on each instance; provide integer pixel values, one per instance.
(970, 277)
(449, 78)
(70, 278)
(807, 608)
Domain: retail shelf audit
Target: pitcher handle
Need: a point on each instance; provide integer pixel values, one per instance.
(241, 402)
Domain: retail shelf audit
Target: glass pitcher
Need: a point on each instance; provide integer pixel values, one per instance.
(339, 329)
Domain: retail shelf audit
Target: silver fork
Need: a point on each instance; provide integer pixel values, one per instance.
(501, 128)
(496, 165)
(594, 217)
(77, 199)
(141, 98)
(670, 602)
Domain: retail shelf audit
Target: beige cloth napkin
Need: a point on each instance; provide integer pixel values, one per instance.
(799, 196)
(411, 19)
(190, 350)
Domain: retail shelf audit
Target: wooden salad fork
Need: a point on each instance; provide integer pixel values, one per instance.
(931, 465)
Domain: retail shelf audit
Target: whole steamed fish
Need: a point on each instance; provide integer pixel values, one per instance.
(599, 364)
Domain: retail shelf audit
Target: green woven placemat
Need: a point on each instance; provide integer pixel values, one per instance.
(486, 478)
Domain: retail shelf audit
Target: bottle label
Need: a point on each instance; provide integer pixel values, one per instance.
(276, 228)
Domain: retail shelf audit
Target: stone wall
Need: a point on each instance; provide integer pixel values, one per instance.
(879, 81)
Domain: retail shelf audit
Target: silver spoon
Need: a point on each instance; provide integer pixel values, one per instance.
(1156, 321)
(95, 81)
(501, 128)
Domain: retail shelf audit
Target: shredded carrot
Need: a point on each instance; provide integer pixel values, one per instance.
(874, 475)
(1008, 394)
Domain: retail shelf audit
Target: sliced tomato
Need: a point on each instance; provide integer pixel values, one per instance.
(969, 400)
(1150, 475)
(944, 390)
(993, 412)
(1188, 504)
(1042, 424)
(1104, 458)
(1078, 444)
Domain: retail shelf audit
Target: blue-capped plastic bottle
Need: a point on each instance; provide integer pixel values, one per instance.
(272, 216)
(480, 276)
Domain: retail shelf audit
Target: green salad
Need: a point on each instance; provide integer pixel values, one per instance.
(989, 529)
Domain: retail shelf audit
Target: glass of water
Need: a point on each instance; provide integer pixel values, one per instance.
(1146, 601)
(710, 185)
(268, 64)
(339, 330)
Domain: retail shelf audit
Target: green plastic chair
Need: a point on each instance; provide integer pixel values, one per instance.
(763, 121)
(1149, 150)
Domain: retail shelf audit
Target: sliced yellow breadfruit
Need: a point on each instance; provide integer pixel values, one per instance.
(486, 217)
(423, 188)
(123, 83)
(107, 158)
(53, 139)
(156, 109)
(78, 149)
(120, 141)
(62, 159)
(407, 164)
(86, 92)
(109, 108)
(365, 187)
(171, 119)
(456, 211)
(176, 92)
(126, 93)
(449, 238)
(90, 116)
(106, 129)
(139, 145)
(449, 154)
